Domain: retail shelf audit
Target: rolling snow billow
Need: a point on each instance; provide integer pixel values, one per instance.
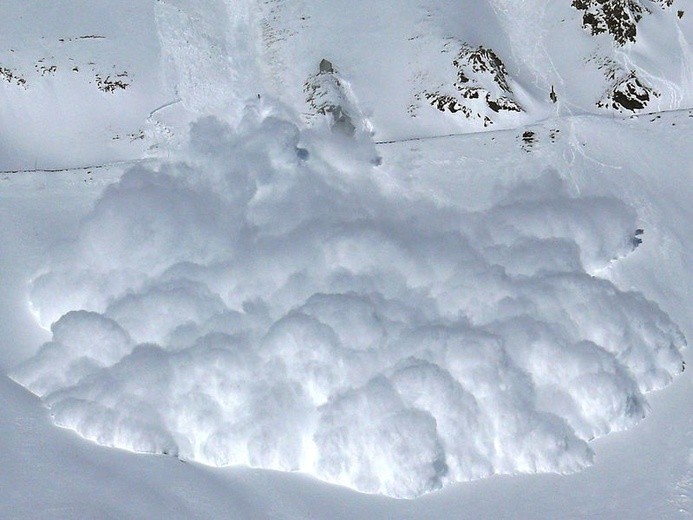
(397, 248)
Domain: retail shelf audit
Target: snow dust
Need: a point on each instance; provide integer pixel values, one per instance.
(274, 300)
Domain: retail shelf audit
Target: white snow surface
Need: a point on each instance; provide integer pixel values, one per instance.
(393, 318)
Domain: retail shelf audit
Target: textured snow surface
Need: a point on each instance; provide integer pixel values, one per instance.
(274, 300)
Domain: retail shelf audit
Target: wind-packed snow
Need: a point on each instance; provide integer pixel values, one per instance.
(278, 290)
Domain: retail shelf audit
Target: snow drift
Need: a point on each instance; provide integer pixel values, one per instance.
(274, 300)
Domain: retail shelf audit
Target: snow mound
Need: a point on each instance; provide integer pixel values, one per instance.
(275, 301)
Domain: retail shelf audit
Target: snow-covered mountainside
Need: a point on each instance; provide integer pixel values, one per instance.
(133, 79)
(427, 68)
(72, 73)
(314, 266)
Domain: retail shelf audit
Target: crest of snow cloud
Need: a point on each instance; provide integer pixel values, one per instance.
(274, 301)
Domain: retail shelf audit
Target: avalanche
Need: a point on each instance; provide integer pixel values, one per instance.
(248, 305)
(311, 273)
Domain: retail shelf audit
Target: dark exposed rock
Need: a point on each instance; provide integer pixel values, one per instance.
(471, 92)
(502, 103)
(636, 239)
(325, 66)
(480, 75)
(481, 60)
(628, 93)
(44, 70)
(12, 77)
(528, 139)
(619, 18)
(446, 103)
(110, 85)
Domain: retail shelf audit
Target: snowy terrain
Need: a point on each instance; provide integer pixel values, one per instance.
(245, 256)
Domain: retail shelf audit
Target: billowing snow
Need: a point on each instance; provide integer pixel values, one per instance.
(250, 304)
(268, 292)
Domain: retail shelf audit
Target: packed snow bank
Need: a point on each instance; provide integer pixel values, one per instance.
(276, 301)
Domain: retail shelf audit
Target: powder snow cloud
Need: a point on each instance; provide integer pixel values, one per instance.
(271, 300)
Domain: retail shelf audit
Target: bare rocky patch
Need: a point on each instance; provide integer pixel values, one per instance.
(619, 18)
(112, 84)
(527, 140)
(480, 85)
(107, 78)
(84, 37)
(12, 76)
(628, 93)
(45, 69)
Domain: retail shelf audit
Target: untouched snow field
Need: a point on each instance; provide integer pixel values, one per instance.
(309, 273)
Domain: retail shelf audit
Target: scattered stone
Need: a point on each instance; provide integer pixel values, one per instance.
(12, 77)
(111, 85)
(44, 70)
(528, 138)
(636, 239)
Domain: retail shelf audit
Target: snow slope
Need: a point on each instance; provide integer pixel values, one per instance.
(393, 317)
(79, 77)
(400, 63)
(133, 80)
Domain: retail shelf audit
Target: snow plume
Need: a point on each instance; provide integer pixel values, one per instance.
(275, 300)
